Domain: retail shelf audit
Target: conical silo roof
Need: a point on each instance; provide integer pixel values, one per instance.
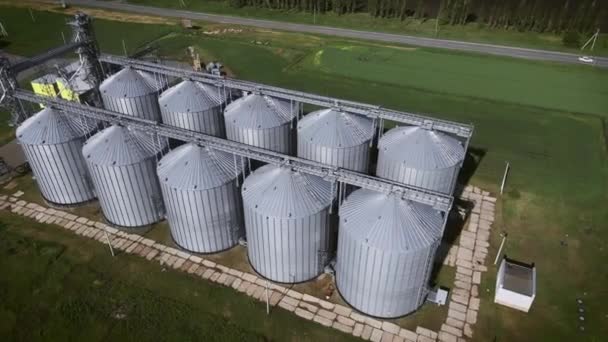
(130, 83)
(260, 111)
(192, 167)
(333, 128)
(280, 192)
(50, 126)
(119, 145)
(191, 97)
(421, 148)
(389, 223)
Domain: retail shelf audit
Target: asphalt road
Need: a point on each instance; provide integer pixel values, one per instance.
(500, 50)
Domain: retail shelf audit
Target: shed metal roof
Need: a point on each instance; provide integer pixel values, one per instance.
(518, 277)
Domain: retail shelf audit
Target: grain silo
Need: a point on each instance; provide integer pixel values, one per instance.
(420, 157)
(52, 141)
(203, 203)
(133, 92)
(194, 106)
(122, 163)
(386, 248)
(336, 138)
(261, 121)
(287, 223)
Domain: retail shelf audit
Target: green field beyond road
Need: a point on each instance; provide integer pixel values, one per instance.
(472, 32)
(547, 120)
(552, 86)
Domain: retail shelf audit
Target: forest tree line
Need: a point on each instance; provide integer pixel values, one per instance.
(524, 15)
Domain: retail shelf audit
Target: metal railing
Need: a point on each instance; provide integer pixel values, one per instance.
(464, 131)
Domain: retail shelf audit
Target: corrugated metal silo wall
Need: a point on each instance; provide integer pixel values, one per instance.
(441, 180)
(382, 284)
(204, 221)
(287, 250)
(145, 106)
(278, 139)
(129, 195)
(354, 158)
(209, 122)
(60, 172)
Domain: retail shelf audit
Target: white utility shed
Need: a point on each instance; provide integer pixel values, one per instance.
(515, 285)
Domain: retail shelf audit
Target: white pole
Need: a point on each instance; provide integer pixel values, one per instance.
(109, 242)
(63, 37)
(437, 25)
(267, 299)
(124, 47)
(3, 31)
(592, 39)
(32, 15)
(504, 178)
(597, 33)
(500, 248)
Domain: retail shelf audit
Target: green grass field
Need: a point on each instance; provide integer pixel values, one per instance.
(547, 120)
(6, 131)
(362, 21)
(564, 88)
(110, 34)
(57, 286)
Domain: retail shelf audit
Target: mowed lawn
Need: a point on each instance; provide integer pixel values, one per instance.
(554, 206)
(55, 286)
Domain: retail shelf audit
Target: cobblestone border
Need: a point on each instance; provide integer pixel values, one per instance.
(468, 257)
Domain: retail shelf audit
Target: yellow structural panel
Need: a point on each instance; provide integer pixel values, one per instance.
(45, 86)
(65, 92)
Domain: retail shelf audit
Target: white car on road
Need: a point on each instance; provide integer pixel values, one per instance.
(585, 59)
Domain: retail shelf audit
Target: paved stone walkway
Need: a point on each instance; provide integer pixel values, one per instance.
(468, 257)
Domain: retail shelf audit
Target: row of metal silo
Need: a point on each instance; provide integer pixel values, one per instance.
(411, 155)
(386, 244)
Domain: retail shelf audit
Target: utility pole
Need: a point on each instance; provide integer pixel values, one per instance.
(592, 40)
(3, 32)
(32, 15)
(267, 299)
(437, 20)
(109, 241)
(437, 25)
(504, 177)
